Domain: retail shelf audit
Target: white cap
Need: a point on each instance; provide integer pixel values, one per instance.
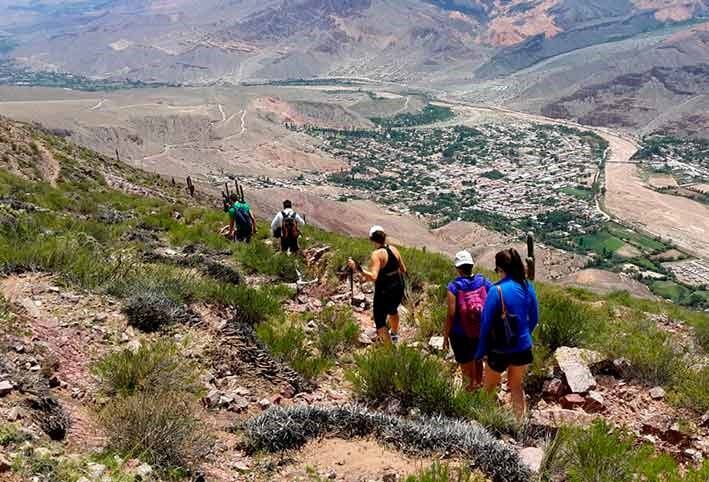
(462, 258)
(374, 229)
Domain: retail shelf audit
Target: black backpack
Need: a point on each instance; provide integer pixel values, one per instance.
(242, 219)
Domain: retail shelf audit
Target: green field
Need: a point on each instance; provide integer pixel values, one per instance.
(579, 192)
(646, 243)
(601, 242)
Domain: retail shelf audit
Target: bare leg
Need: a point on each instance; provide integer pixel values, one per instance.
(491, 380)
(478, 373)
(468, 370)
(515, 380)
(394, 323)
(383, 334)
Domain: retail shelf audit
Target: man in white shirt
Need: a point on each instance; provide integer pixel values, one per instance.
(286, 227)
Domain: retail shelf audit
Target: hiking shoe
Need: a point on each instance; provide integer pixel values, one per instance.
(394, 337)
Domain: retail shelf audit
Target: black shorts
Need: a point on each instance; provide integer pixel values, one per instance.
(385, 305)
(464, 347)
(499, 362)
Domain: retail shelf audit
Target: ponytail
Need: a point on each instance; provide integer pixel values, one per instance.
(511, 263)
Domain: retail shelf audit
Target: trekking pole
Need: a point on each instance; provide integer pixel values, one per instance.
(241, 190)
(530, 256)
(351, 277)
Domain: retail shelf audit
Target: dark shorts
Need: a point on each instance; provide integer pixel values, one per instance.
(385, 305)
(499, 362)
(290, 244)
(464, 347)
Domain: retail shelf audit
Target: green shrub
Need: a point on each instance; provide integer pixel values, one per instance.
(11, 434)
(150, 308)
(651, 353)
(289, 343)
(424, 382)
(155, 367)
(337, 330)
(444, 473)
(405, 374)
(690, 389)
(258, 257)
(602, 453)
(160, 428)
(564, 321)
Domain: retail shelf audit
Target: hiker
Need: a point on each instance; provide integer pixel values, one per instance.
(386, 269)
(466, 299)
(286, 227)
(509, 317)
(242, 224)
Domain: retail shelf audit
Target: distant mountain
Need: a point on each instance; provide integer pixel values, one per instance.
(439, 43)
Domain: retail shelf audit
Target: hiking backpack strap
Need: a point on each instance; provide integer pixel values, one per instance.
(503, 308)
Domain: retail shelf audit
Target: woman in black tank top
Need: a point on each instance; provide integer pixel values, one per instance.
(388, 286)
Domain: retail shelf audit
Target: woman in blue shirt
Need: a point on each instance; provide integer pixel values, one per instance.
(466, 299)
(510, 315)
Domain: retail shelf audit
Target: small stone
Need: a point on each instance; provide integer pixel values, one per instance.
(436, 342)
(14, 414)
(241, 467)
(242, 391)
(332, 475)
(5, 388)
(143, 470)
(594, 402)
(133, 346)
(704, 421)
(364, 339)
(212, 398)
(571, 401)
(264, 403)
(288, 392)
(225, 401)
(83, 479)
(532, 458)
(558, 417)
(553, 389)
(657, 393)
(96, 471)
(35, 368)
(622, 367)
(101, 317)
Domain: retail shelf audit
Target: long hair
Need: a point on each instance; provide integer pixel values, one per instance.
(511, 263)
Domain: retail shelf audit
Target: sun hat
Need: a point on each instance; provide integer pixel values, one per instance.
(463, 258)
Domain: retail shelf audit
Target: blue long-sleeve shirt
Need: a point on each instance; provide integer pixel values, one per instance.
(518, 301)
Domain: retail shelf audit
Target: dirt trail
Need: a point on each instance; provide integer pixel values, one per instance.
(49, 166)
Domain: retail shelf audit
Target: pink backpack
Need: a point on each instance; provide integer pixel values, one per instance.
(470, 308)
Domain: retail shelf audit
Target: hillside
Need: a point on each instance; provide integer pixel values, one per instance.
(138, 344)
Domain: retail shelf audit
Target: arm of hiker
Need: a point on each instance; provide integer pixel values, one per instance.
(449, 321)
(253, 223)
(277, 221)
(374, 267)
(533, 307)
(490, 311)
(231, 227)
(299, 219)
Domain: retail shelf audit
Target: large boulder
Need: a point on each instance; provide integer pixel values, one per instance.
(575, 363)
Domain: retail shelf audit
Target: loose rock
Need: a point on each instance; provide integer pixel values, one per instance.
(436, 342)
(571, 401)
(657, 393)
(532, 457)
(575, 362)
(594, 402)
(5, 388)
